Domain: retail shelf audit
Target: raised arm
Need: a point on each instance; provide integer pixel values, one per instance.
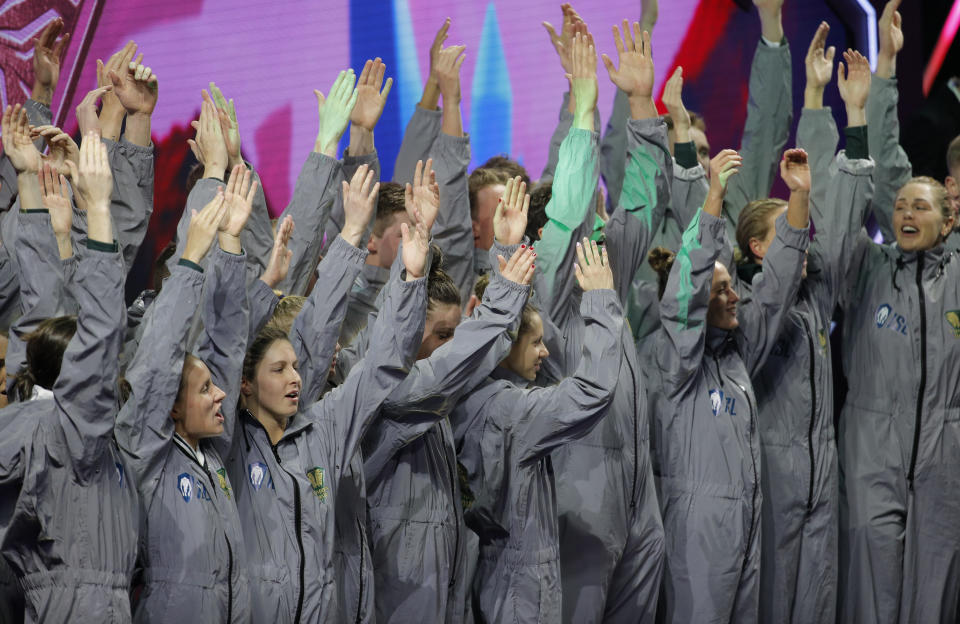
(263, 301)
(817, 130)
(893, 167)
(436, 384)
(85, 391)
(769, 115)
(315, 330)
(223, 343)
(144, 428)
(317, 185)
(555, 415)
(775, 289)
(683, 306)
(397, 333)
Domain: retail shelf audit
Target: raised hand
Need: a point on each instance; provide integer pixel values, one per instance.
(519, 269)
(136, 87)
(819, 65)
(370, 98)
(510, 218)
(203, 227)
(54, 197)
(592, 267)
(890, 32)
(563, 42)
(112, 111)
(422, 198)
(61, 147)
(359, 204)
(87, 117)
(93, 180)
(238, 198)
(229, 128)
(673, 100)
(334, 111)
(449, 61)
(17, 144)
(795, 171)
(854, 84)
(209, 146)
(635, 75)
(415, 247)
(47, 56)
(583, 80)
(280, 255)
(722, 167)
(431, 95)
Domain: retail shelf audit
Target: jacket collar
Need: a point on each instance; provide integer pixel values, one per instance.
(504, 373)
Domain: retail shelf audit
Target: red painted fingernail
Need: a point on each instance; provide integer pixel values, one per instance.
(523, 246)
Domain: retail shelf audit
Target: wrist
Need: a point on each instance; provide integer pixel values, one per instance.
(681, 132)
(42, 93)
(583, 119)
(326, 148)
(771, 25)
(230, 243)
(642, 107)
(352, 235)
(361, 141)
(813, 97)
(431, 94)
(856, 116)
(215, 170)
(886, 65)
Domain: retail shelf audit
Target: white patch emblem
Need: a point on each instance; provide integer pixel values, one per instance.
(716, 401)
(185, 485)
(257, 471)
(883, 313)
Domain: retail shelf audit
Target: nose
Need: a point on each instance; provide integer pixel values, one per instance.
(544, 353)
(218, 395)
(734, 297)
(296, 377)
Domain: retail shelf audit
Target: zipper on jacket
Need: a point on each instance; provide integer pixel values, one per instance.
(298, 528)
(360, 596)
(454, 479)
(636, 434)
(923, 369)
(756, 479)
(813, 414)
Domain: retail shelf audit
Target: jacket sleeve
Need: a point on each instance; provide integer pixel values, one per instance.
(263, 301)
(200, 195)
(644, 198)
(774, 291)
(613, 149)
(569, 218)
(41, 282)
(421, 132)
(453, 228)
(9, 293)
(334, 224)
(397, 333)
(564, 123)
(315, 330)
(435, 384)
(893, 167)
(817, 134)
(313, 196)
(85, 392)
(848, 194)
(683, 307)
(257, 236)
(223, 342)
(769, 117)
(132, 201)
(569, 410)
(144, 428)
(8, 183)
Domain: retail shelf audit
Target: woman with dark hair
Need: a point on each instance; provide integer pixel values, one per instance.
(705, 444)
(177, 426)
(288, 460)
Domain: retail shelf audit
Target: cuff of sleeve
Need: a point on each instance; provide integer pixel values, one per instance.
(101, 246)
(352, 254)
(791, 236)
(857, 145)
(600, 301)
(317, 160)
(35, 211)
(366, 159)
(858, 167)
(431, 114)
(232, 257)
(498, 281)
(774, 44)
(141, 150)
(190, 265)
(686, 154)
(456, 149)
(714, 227)
(503, 250)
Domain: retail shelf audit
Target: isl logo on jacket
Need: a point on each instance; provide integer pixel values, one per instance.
(185, 485)
(716, 400)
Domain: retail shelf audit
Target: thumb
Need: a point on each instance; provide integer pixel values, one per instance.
(502, 262)
(114, 78)
(320, 97)
(472, 305)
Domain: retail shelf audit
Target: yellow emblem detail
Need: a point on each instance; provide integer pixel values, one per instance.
(953, 317)
(222, 476)
(315, 475)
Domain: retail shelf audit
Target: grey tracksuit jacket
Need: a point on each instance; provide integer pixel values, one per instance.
(287, 492)
(505, 435)
(899, 436)
(413, 492)
(705, 442)
(605, 492)
(70, 517)
(191, 548)
(794, 391)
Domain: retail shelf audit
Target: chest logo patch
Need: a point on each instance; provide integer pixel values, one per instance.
(822, 335)
(315, 475)
(257, 471)
(224, 485)
(185, 485)
(888, 318)
(953, 317)
(716, 401)
(883, 313)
